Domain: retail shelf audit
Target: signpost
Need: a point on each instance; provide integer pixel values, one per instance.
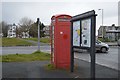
(83, 28)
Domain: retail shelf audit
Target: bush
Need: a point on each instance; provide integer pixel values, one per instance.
(104, 40)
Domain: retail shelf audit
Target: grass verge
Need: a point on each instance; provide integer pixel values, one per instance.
(14, 42)
(50, 67)
(43, 40)
(36, 56)
(33, 39)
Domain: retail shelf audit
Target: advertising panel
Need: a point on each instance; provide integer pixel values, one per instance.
(76, 33)
(86, 32)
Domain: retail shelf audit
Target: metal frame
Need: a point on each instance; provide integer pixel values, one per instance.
(88, 15)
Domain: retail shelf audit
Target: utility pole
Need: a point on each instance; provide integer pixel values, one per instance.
(38, 34)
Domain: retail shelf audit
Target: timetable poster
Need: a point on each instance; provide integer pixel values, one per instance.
(76, 33)
(86, 32)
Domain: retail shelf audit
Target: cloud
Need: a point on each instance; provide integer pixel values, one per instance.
(14, 11)
(59, 0)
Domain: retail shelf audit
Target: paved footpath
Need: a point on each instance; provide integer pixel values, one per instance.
(34, 69)
(37, 69)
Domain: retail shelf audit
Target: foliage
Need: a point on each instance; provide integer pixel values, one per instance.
(5, 28)
(41, 30)
(27, 25)
(34, 30)
(36, 56)
(50, 67)
(104, 40)
(24, 25)
(14, 42)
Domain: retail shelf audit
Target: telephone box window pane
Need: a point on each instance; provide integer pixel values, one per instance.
(53, 36)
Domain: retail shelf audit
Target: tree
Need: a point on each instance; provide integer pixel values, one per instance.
(34, 30)
(24, 25)
(18, 31)
(4, 28)
(27, 25)
(41, 30)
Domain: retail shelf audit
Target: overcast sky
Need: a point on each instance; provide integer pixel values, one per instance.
(13, 11)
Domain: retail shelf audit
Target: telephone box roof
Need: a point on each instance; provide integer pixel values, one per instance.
(58, 15)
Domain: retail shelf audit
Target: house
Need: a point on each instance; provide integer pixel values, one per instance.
(25, 34)
(11, 31)
(1, 35)
(47, 30)
(109, 32)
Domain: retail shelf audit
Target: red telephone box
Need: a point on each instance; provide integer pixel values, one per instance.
(60, 41)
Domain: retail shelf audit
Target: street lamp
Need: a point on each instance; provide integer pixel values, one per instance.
(38, 34)
(102, 15)
(102, 24)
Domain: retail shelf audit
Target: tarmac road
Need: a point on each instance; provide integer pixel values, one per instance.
(23, 49)
(109, 59)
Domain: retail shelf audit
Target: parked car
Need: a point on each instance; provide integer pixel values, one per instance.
(102, 47)
(119, 42)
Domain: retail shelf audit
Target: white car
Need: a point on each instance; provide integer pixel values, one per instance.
(101, 46)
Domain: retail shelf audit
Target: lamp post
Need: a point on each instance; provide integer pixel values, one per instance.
(38, 34)
(102, 23)
(102, 15)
